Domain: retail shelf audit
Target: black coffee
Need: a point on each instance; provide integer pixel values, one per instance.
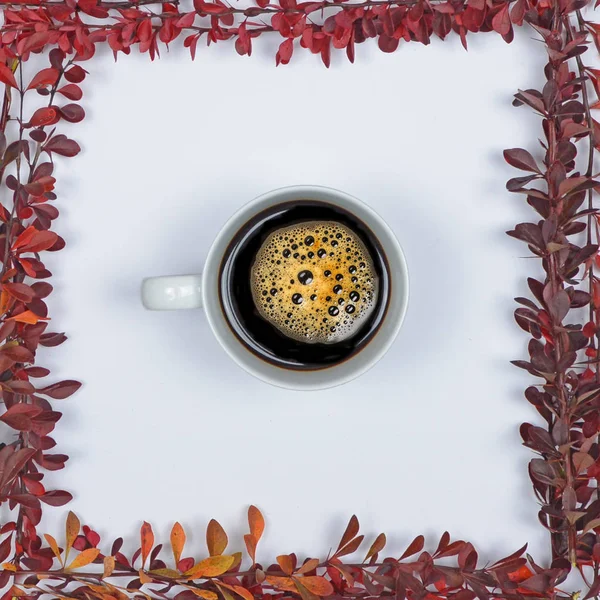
(304, 285)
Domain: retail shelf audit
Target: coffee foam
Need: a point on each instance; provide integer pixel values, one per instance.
(314, 281)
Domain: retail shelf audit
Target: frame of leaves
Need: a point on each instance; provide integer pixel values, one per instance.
(563, 355)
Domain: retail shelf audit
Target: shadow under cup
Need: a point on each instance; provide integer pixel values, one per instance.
(257, 345)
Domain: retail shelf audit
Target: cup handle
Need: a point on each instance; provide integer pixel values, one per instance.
(172, 292)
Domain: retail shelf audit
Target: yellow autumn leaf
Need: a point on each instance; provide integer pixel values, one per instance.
(9, 567)
(213, 566)
(144, 578)
(206, 594)
(177, 541)
(165, 573)
(109, 566)
(84, 558)
(72, 531)
(54, 546)
(226, 595)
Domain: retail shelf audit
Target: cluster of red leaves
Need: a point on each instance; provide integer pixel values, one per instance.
(415, 574)
(316, 25)
(25, 233)
(563, 353)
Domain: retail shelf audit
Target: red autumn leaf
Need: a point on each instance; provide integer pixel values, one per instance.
(19, 416)
(387, 43)
(284, 54)
(24, 237)
(71, 91)
(42, 116)
(7, 76)
(187, 20)
(33, 485)
(61, 390)
(350, 533)
(56, 498)
(501, 21)
(73, 113)
(18, 353)
(20, 291)
(52, 339)
(377, 546)
(61, 144)
(589, 329)
(75, 74)
(41, 240)
(45, 77)
(521, 159)
(415, 546)
(5, 548)
(209, 8)
(27, 500)
(37, 372)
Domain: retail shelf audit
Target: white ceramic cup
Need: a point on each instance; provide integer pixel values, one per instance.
(202, 291)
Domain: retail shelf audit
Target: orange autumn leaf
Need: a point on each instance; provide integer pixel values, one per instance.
(54, 546)
(521, 574)
(147, 539)
(109, 566)
(250, 541)
(6, 300)
(15, 591)
(84, 558)
(206, 594)
(256, 522)
(216, 538)
(177, 541)
(316, 584)
(27, 316)
(281, 583)
(72, 531)
(212, 566)
(9, 567)
(304, 593)
(238, 589)
(309, 565)
(286, 563)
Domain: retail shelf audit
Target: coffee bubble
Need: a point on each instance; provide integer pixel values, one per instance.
(294, 278)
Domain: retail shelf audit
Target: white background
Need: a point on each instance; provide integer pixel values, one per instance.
(167, 428)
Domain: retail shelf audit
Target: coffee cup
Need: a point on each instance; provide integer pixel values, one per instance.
(305, 287)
